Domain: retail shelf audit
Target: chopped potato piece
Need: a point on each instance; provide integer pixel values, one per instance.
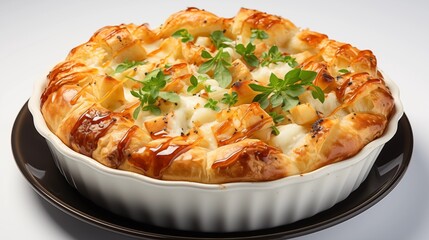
(303, 114)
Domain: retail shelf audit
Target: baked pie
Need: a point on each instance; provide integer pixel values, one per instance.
(209, 99)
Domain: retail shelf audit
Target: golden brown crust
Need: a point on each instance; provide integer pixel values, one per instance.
(88, 105)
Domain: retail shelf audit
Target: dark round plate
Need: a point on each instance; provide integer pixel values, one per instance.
(37, 165)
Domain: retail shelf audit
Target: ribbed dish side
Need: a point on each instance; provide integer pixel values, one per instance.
(198, 207)
(218, 210)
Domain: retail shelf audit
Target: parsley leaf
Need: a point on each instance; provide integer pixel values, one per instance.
(344, 71)
(208, 89)
(219, 40)
(150, 92)
(277, 118)
(147, 102)
(127, 65)
(258, 34)
(194, 84)
(212, 104)
(219, 63)
(274, 56)
(184, 35)
(275, 130)
(284, 92)
(169, 96)
(230, 99)
(248, 53)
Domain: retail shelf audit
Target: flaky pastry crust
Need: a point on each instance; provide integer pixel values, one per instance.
(88, 104)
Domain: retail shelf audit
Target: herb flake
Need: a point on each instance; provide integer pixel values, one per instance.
(184, 35)
(212, 104)
(230, 99)
(275, 56)
(127, 65)
(258, 34)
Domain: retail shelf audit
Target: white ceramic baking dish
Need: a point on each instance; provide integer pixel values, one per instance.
(213, 207)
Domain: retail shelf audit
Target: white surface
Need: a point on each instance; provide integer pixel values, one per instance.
(36, 35)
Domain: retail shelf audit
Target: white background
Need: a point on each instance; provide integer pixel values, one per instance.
(35, 35)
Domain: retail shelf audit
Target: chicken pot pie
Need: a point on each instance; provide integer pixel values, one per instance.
(209, 99)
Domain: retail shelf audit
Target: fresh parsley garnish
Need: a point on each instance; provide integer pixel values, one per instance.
(194, 84)
(277, 118)
(219, 63)
(258, 34)
(230, 99)
(285, 92)
(150, 92)
(212, 104)
(274, 56)
(184, 35)
(127, 65)
(219, 40)
(343, 71)
(169, 96)
(275, 130)
(248, 53)
(208, 89)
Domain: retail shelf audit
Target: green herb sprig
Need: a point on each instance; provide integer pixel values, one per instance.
(277, 118)
(208, 88)
(194, 84)
(212, 104)
(285, 92)
(248, 53)
(275, 56)
(184, 35)
(275, 130)
(127, 65)
(150, 92)
(230, 99)
(220, 40)
(219, 63)
(258, 34)
(343, 71)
